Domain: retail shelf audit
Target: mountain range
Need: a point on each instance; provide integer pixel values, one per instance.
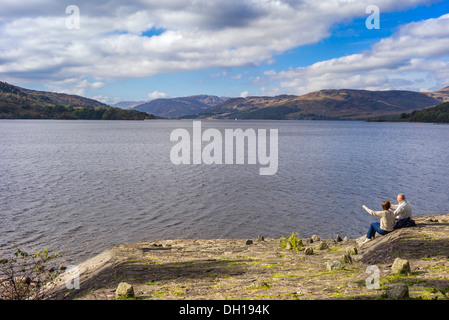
(342, 104)
(127, 104)
(179, 107)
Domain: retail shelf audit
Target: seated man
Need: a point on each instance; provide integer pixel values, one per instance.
(403, 213)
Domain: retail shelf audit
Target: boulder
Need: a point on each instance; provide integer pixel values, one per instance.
(249, 242)
(124, 291)
(398, 291)
(323, 246)
(308, 251)
(347, 258)
(401, 266)
(338, 238)
(315, 238)
(334, 265)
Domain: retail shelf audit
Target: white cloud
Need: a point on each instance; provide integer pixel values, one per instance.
(244, 94)
(157, 95)
(107, 100)
(219, 74)
(77, 86)
(418, 51)
(236, 76)
(198, 34)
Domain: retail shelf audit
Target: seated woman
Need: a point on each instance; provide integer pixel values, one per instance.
(386, 224)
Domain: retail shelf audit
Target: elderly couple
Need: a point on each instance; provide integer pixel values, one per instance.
(391, 217)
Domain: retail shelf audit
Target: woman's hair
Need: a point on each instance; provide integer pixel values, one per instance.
(386, 205)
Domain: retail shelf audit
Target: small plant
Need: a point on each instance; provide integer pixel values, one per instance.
(444, 292)
(292, 243)
(27, 276)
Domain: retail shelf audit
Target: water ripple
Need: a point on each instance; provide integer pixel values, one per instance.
(81, 187)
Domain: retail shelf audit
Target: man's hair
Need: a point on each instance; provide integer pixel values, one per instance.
(386, 205)
(402, 196)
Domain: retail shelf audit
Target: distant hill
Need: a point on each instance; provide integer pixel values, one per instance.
(438, 114)
(342, 104)
(49, 97)
(178, 107)
(20, 103)
(441, 95)
(127, 104)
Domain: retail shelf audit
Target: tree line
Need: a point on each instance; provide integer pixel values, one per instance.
(438, 114)
(61, 112)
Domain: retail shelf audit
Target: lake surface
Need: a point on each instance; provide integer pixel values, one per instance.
(81, 187)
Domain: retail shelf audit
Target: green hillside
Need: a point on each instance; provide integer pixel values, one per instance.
(20, 103)
(438, 114)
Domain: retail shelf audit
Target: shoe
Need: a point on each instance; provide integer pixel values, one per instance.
(366, 240)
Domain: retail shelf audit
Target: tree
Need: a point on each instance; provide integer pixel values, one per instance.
(110, 114)
(27, 276)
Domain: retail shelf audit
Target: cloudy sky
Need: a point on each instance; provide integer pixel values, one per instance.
(145, 49)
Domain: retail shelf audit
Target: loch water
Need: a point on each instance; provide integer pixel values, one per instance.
(81, 187)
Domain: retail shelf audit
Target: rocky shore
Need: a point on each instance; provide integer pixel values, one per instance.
(336, 268)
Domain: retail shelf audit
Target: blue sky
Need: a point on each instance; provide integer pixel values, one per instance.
(139, 51)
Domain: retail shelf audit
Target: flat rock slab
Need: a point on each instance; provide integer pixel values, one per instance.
(218, 269)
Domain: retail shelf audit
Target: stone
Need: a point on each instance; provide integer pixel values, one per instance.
(347, 258)
(401, 266)
(334, 265)
(288, 246)
(345, 239)
(338, 238)
(323, 246)
(259, 284)
(315, 238)
(308, 251)
(351, 250)
(124, 291)
(249, 242)
(260, 238)
(398, 291)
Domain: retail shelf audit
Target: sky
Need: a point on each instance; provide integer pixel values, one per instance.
(140, 50)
